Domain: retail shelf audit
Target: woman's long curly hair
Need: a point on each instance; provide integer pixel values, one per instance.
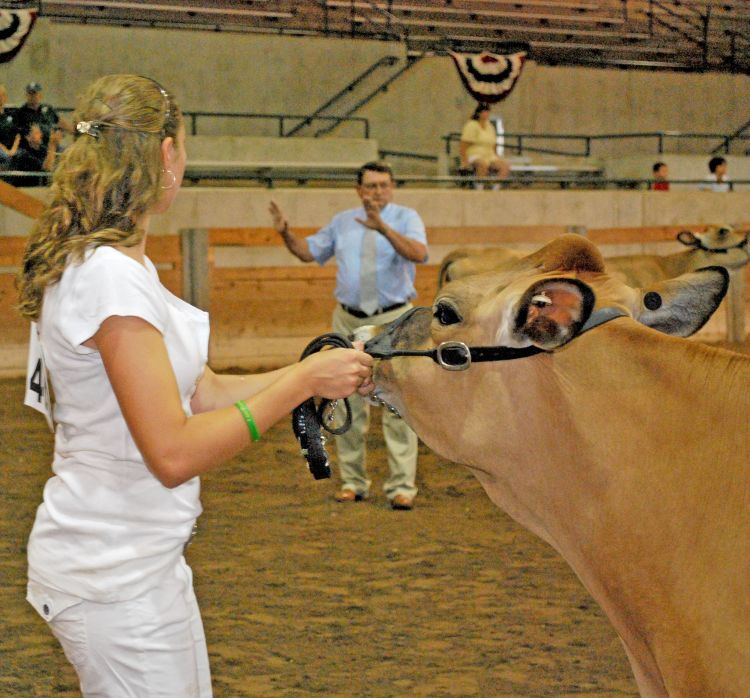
(104, 182)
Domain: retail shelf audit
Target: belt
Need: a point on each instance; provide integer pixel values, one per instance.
(361, 314)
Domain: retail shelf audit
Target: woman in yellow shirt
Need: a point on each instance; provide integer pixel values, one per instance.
(478, 147)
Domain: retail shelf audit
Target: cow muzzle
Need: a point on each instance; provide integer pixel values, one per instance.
(382, 341)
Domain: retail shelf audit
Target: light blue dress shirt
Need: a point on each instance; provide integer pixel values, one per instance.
(342, 238)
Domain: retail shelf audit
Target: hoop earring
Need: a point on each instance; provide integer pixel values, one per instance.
(174, 179)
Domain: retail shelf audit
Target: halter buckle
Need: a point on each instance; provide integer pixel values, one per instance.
(453, 356)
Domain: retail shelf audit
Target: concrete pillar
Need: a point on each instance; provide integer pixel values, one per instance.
(195, 266)
(736, 306)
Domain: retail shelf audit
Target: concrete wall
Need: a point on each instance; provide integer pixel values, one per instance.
(568, 100)
(342, 152)
(207, 71)
(203, 207)
(211, 71)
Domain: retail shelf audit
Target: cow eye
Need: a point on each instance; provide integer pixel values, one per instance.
(446, 314)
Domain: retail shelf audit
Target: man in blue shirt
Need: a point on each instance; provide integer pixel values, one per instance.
(399, 241)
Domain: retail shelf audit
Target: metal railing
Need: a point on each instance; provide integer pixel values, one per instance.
(385, 61)
(283, 120)
(270, 177)
(521, 143)
(385, 154)
(383, 87)
(736, 135)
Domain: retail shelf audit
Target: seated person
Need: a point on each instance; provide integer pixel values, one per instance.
(660, 177)
(35, 111)
(478, 147)
(10, 139)
(35, 156)
(718, 179)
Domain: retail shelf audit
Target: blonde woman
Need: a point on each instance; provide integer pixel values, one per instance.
(139, 414)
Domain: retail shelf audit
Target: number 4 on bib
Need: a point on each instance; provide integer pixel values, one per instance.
(37, 388)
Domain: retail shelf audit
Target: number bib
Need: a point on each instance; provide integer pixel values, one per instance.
(37, 388)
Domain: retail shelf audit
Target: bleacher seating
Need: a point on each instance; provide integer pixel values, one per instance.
(252, 157)
(527, 170)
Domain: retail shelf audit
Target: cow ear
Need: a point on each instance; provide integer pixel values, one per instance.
(553, 311)
(681, 306)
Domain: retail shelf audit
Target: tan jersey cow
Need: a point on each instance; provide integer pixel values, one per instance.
(718, 245)
(624, 448)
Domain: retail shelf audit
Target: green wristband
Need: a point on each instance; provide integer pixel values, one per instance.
(248, 417)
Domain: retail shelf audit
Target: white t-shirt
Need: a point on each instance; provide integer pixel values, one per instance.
(107, 529)
(714, 185)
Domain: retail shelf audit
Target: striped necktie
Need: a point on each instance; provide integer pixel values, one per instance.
(368, 287)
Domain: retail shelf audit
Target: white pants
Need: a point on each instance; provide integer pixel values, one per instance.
(152, 646)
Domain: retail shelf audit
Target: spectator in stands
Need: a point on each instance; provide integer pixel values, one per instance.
(10, 138)
(660, 177)
(35, 156)
(718, 179)
(140, 414)
(34, 111)
(376, 247)
(478, 147)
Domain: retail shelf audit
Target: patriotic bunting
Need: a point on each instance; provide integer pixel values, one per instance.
(15, 26)
(489, 77)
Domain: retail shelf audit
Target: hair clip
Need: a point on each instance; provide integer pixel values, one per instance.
(88, 128)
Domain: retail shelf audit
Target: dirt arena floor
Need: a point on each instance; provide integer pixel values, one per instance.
(302, 596)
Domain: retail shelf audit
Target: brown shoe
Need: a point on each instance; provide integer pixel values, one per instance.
(348, 495)
(402, 502)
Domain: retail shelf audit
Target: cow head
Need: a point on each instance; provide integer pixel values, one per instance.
(466, 261)
(720, 244)
(543, 300)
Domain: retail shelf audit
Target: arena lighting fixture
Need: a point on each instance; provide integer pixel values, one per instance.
(165, 8)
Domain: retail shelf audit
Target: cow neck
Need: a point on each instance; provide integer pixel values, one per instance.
(457, 356)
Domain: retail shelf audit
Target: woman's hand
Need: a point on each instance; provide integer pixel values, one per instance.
(337, 373)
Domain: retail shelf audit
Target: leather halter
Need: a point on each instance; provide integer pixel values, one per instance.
(457, 356)
(698, 244)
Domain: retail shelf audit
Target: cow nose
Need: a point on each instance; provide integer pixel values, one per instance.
(382, 343)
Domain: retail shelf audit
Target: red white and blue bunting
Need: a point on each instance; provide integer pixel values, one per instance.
(15, 26)
(489, 77)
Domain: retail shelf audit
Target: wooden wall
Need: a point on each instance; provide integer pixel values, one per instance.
(263, 315)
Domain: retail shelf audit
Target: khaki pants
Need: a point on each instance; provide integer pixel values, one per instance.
(400, 440)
